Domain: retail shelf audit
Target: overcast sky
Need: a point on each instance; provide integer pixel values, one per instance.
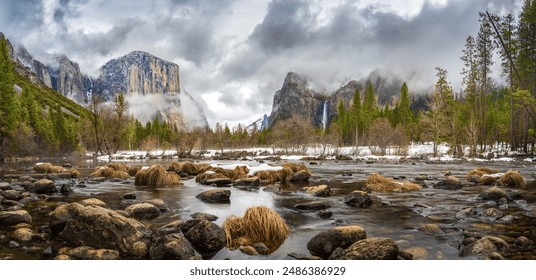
(234, 55)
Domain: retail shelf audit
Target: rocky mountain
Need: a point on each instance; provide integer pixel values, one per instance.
(151, 85)
(152, 89)
(27, 66)
(296, 97)
(68, 80)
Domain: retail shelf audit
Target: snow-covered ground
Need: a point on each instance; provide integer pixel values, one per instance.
(420, 151)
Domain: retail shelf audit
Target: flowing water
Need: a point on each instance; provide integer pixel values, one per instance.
(393, 215)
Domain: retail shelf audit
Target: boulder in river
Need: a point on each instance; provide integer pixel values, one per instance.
(11, 218)
(43, 186)
(215, 196)
(450, 183)
(376, 248)
(324, 243)
(171, 247)
(99, 227)
(322, 190)
(358, 198)
(89, 253)
(143, 211)
(493, 193)
(485, 245)
(313, 205)
(206, 237)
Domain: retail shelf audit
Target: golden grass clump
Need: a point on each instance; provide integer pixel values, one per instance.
(175, 166)
(481, 171)
(156, 176)
(259, 224)
(118, 167)
(133, 169)
(47, 167)
(295, 167)
(189, 168)
(377, 183)
(487, 180)
(512, 179)
(141, 178)
(109, 172)
(74, 173)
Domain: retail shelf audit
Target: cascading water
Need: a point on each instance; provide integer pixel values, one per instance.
(325, 116)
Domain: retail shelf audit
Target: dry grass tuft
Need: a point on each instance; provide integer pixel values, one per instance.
(259, 224)
(487, 180)
(377, 183)
(118, 167)
(481, 171)
(103, 171)
(295, 167)
(74, 173)
(512, 179)
(157, 176)
(47, 167)
(141, 178)
(133, 169)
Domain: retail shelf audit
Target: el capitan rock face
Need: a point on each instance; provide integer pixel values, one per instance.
(151, 87)
(139, 73)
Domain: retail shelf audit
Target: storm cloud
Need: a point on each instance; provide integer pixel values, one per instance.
(235, 54)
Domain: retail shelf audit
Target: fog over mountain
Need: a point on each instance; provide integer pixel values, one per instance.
(234, 55)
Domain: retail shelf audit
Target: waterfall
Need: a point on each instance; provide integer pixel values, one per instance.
(325, 116)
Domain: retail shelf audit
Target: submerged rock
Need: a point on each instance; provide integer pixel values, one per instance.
(204, 216)
(11, 218)
(215, 196)
(314, 205)
(322, 190)
(485, 245)
(89, 253)
(493, 193)
(431, 229)
(376, 248)
(324, 243)
(450, 183)
(324, 214)
(300, 176)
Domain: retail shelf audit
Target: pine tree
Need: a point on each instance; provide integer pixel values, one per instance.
(355, 112)
(405, 115)
(370, 107)
(441, 112)
(484, 58)
(8, 96)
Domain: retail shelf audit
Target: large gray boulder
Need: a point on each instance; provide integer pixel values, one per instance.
(324, 243)
(171, 247)
(143, 211)
(11, 218)
(206, 237)
(100, 228)
(377, 248)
